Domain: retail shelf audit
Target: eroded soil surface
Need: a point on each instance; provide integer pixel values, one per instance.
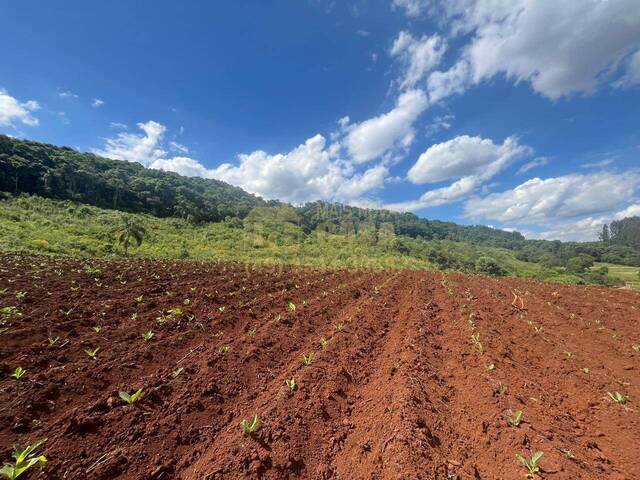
(399, 390)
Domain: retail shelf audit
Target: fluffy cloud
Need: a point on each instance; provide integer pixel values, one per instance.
(418, 56)
(97, 103)
(310, 171)
(630, 211)
(544, 202)
(560, 48)
(465, 156)
(13, 111)
(144, 148)
(377, 136)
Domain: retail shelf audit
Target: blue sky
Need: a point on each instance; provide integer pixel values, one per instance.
(518, 114)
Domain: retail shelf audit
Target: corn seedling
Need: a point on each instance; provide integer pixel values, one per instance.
(148, 335)
(225, 349)
(636, 347)
(291, 307)
(221, 309)
(307, 359)
(24, 458)
(21, 295)
(291, 383)
(618, 397)
(251, 425)
(531, 464)
(340, 327)
(176, 373)
(96, 328)
(501, 389)
(490, 367)
(139, 299)
(53, 340)
(569, 354)
(130, 399)
(18, 373)
(324, 342)
(584, 370)
(475, 339)
(515, 419)
(252, 331)
(91, 353)
(566, 453)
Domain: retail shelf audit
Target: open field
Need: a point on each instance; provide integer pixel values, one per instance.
(629, 275)
(417, 376)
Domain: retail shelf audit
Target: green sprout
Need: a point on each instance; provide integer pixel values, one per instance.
(176, 373)
(24, 458)
(291, 307)
(130, 399)
(636, 347)
(515, 419)
(531, 464)
(225, 349)
(324, 342)
(340, 327)
(569, 354)
(307, 359)
(21, 295)
(92, 353)
(18, 373)
(139, 299)
(475, 339)
(221, 309)
(250, 426)
(148, 335)
(566, 453)
(501, 389)
(618, 397)
(96, 328)
(252, 331)
(490, 367)
(584, 370)
(291, 383)
(53, 340)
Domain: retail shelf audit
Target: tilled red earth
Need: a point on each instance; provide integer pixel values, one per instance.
(400, 391)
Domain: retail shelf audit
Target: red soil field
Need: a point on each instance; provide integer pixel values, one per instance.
(400, 391)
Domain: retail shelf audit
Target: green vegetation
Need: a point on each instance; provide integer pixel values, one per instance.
(627, 274)
(250, 426)
(58, 201)
(18, 373)
(24, 459)
(148, 335)
(130, 399)
(176, 373)
(291, 383)
(531, 464)
(307, 359)
(91, 353)
(515, 419)
(618, 397)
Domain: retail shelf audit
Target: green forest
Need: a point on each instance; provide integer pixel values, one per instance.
(60, 201)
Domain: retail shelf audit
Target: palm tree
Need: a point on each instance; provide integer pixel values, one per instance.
(130, 231)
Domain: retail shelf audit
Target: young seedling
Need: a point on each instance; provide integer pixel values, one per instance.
(139, 299)
(148, 335)
(18, 373)
(53, 340)
(221, 309)
(618, 397)
(252, 331)
(324, 342)
(96, 328)
(307, 359)
(569, 354)
(584, 370)
(490, 367)
(636, 347)
(291, 383)
(21, 295)
(340, 327)
(515, 419)
(24, 459)
(566, 453)
(176, 373)
(501, 389)
(291, 307)
(475, 339)
(531, 464)
(186, 301)
(225, 349)
(251, 425)
(130, 399)
(91, 353)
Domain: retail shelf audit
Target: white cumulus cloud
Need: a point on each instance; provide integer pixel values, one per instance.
(418, 56)
(377, 136)
(144, 148)
(13, 111)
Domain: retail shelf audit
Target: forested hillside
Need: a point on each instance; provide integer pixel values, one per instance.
(273, 228)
